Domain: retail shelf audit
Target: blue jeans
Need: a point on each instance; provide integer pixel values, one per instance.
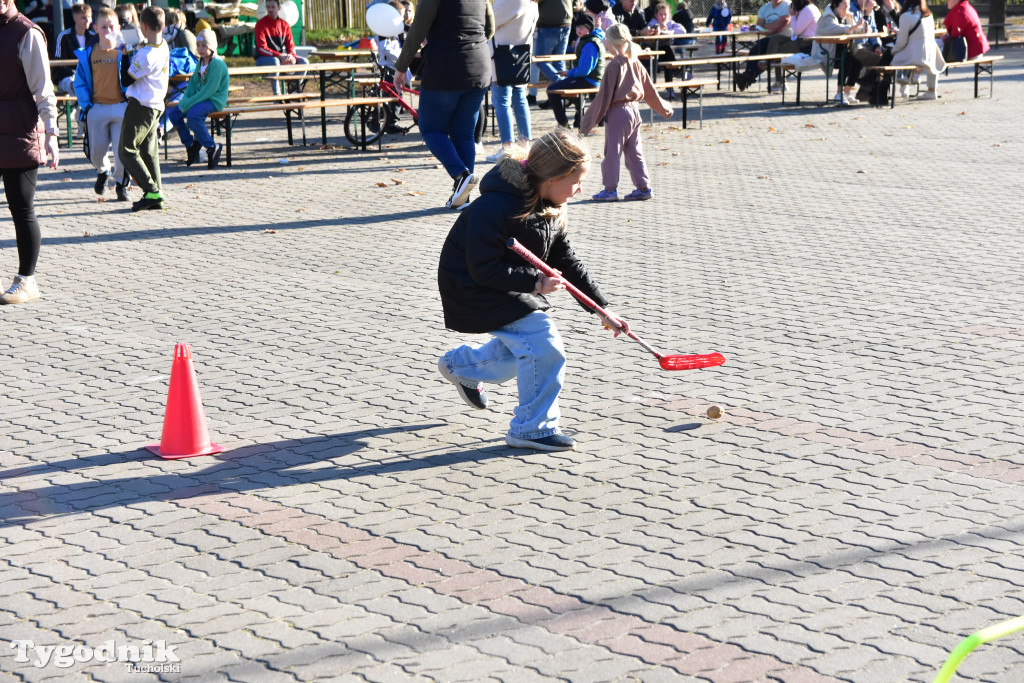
(529, 349)
(274, 61)
(448, 125)
(194, 122)
(510, 100)
(549, 41)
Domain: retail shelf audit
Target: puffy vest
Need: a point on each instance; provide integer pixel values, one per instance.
(599, 69)
(21, 130)
(456, 56)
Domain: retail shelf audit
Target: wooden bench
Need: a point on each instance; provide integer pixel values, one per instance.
(262, 99)
(719, 62)
(787, 71)
(229, 114)
(983, 64)
(684, 86)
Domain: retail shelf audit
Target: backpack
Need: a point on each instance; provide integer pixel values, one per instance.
(181, 62)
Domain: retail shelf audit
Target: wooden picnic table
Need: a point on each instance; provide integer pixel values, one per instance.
(719, 61)
(842, 43)
(229, 113)
(322, 68)
(338, 55)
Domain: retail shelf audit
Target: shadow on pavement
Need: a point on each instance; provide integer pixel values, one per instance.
(259, 466)
(153, 233)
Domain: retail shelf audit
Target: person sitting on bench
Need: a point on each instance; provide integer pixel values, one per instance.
(588, 70)
(963, 22)
(206, 93)
(274, 42)
(773, 22)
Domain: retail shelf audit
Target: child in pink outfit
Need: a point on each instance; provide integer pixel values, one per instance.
(624, 85)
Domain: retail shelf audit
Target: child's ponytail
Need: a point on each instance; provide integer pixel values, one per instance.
(619, 38)
(554, 155)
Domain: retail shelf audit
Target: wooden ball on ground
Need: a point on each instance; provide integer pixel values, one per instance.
(715, 412)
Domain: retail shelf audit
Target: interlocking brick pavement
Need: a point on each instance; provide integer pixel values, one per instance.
(850, 518)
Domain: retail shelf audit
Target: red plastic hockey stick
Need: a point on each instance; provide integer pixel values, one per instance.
(671, 362)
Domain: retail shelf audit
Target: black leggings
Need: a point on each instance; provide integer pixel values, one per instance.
(20, 188)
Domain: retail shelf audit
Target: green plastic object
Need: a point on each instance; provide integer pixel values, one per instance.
(985, 635)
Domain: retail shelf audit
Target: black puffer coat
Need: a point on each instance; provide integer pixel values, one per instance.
(485, 286)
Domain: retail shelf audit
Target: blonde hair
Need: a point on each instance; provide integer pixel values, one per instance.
(550, 157)
(210, 38)
(621, 41)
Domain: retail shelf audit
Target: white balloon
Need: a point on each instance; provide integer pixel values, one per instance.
(289, 12)
(384, 20)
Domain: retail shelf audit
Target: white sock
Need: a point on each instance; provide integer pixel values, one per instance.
(28, 279)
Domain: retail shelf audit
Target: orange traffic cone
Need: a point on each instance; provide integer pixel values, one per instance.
(185, 434)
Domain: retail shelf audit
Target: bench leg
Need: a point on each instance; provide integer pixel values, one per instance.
(686, 96)
(288, 123)
(70, 130)
(323, 111)
(380, 118)
(892, 92)
(227, 140)
(362, 129)
(700, 105)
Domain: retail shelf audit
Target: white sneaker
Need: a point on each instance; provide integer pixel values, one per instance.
(904, 91)
(496, 156)
(21, 291)
(463, 185)
(775, 89)
(479, 149)
(927, 95)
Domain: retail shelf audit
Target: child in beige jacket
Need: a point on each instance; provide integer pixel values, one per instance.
(624, 85)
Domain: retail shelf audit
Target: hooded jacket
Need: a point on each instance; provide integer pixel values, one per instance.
(83, 79)
(483, 284)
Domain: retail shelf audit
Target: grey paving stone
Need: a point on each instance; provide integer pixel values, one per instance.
(852, 515)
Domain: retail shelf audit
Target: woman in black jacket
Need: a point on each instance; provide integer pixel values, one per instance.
(456, 73)
(487, 288)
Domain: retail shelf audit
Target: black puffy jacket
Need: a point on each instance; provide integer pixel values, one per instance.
(485, 286)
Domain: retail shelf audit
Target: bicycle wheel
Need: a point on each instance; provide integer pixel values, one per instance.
(376, 119)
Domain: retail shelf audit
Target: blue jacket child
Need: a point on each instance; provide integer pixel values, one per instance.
(101, 113)
(588, 70)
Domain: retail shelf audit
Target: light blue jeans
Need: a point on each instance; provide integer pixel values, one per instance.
(530, 350)
(509, 101)
(267, 60)
(193, 123)
(549, 41)
(447, 120)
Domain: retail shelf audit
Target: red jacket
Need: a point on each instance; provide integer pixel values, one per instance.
(273, 38)
(963, 20)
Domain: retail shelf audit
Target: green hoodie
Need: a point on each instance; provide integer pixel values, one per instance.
(212, 87)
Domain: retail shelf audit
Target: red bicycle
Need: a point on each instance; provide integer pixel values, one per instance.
(379, 120)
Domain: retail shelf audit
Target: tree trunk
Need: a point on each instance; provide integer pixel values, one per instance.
(996, 21)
